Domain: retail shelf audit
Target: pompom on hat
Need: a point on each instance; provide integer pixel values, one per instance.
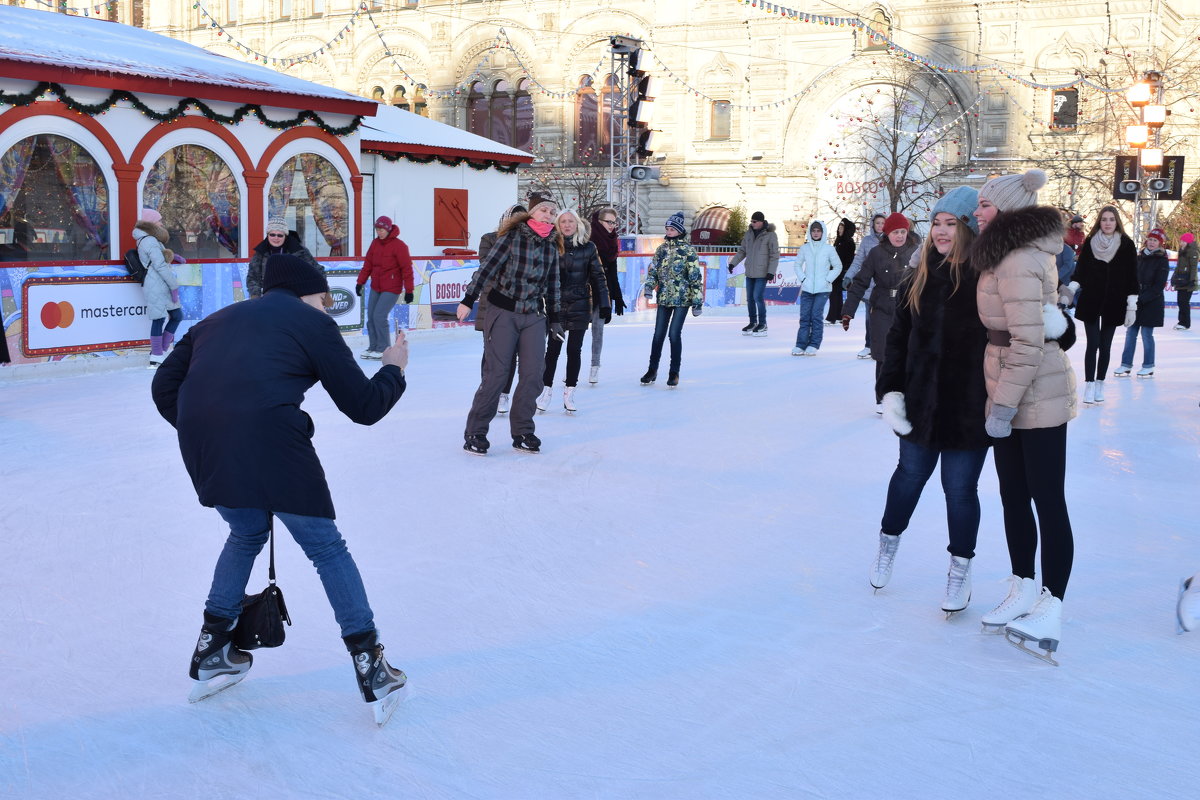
(960, 203)
(895, 221)
(1010, 192)
(150, 215)
(294, 274)
(675, 222)
(1187, 238)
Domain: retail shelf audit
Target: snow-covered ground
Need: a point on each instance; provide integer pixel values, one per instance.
(671, 601)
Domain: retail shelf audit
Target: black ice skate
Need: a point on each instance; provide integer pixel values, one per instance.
(476, 445)
(382, 685)
(216, 663)
(527, 443)
(650, 377)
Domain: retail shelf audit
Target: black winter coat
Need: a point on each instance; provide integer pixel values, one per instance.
(583, 286)
(935, 358)
(1152, 271)
(886, 265)
(291, 245)
(232, 388)
(1104, 285)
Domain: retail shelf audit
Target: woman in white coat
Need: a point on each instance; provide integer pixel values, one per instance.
(817, 265)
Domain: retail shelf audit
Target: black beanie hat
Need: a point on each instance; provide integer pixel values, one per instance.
(294, 274)
(758, 216)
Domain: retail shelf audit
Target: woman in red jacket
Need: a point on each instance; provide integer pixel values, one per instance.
(389, 266)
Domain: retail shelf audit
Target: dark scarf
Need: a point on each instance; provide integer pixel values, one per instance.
(607, 242)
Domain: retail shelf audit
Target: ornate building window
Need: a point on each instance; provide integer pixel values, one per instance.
(721, 120)
(400, 97)
(198, 197)
(504, 114)
(308, 192)
(377, 94)
(285, 8)
(231, 10)
(53, 202)
(592, 114)
(420, 107)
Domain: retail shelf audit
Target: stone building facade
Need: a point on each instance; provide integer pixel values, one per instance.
(758, 110)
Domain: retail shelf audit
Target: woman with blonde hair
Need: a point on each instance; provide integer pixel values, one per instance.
(583, 289)
(931, 382)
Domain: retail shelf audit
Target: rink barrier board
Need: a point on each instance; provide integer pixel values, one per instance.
(206, 286)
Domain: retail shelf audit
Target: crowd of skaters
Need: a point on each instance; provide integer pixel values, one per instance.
(968, 330)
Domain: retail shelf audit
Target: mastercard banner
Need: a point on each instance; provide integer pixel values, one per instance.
(70, 315)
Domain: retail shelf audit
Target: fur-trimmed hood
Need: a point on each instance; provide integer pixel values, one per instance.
(1035, 226)
(517, 222)
(155, 229)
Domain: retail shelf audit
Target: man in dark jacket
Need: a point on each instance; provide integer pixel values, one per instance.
(232, 388)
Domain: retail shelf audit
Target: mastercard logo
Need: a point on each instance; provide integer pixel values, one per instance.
(58, 315)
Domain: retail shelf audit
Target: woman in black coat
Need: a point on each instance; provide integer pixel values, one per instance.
(584, 289)
(1105, 277)
(844, 245)
(1150, 305)
(934, 394)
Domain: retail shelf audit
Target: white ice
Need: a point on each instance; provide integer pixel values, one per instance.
(671, 601)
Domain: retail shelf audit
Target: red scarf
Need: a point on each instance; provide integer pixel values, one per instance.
(542, 229)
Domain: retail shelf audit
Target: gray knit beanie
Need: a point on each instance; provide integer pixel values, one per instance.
(276, 223)
(1010, 192)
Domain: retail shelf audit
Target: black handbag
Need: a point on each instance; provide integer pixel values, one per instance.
(263, 615)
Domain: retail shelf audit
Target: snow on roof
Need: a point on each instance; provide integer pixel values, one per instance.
(57, 44)
(396, 130)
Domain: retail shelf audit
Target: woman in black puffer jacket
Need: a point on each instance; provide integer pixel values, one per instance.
(584, 289)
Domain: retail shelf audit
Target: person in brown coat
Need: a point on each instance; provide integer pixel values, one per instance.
(1031, 397)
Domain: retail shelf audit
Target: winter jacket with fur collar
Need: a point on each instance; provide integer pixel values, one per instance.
(760, 252)
(525, 268)
(1017, 292)
(151, 239)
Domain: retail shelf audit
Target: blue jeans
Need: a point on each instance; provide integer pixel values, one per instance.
(379, 307)
(1131, 335)
(812, 329)
(754, 300)
(670, 319)
(321, 542)
(960, 482)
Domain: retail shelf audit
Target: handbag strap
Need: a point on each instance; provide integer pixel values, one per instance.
(271, 539)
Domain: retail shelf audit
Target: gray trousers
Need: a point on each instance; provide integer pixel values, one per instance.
(597, 337)
(505, 334)
(379, 307)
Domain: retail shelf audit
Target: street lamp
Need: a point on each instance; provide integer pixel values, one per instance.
(1145, 138)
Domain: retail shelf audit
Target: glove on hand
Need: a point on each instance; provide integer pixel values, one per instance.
(846, 322)
(1130, 310)
(606, 315)
(408, 298)
(175, 296)
(731, 269)
(358, 289)
(894, 413)
(556, 330)
(770, 276)
(697, 311)
(999, 421)
(618, 305)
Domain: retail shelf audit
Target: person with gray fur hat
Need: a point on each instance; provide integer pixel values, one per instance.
(248, 448)
(1031, 398)
(279, 238)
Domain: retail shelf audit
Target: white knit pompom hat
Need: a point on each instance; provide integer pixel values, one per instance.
(1010, 192)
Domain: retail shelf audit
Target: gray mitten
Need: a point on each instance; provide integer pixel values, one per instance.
(999, 421)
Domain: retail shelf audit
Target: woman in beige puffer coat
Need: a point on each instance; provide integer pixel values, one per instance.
(1031, 397)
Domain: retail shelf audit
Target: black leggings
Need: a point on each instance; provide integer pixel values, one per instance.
(1095, 355)
(1031, 465)
(574, 358)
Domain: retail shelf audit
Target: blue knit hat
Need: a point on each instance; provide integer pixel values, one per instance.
(959, 203)
(676, 221)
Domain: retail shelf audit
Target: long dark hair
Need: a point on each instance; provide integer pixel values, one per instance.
(1096, 225)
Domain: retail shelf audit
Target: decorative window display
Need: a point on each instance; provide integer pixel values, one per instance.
(309, 193)
(198, 197)
(53, 202)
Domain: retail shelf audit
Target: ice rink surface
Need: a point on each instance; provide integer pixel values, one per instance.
(671, 601)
